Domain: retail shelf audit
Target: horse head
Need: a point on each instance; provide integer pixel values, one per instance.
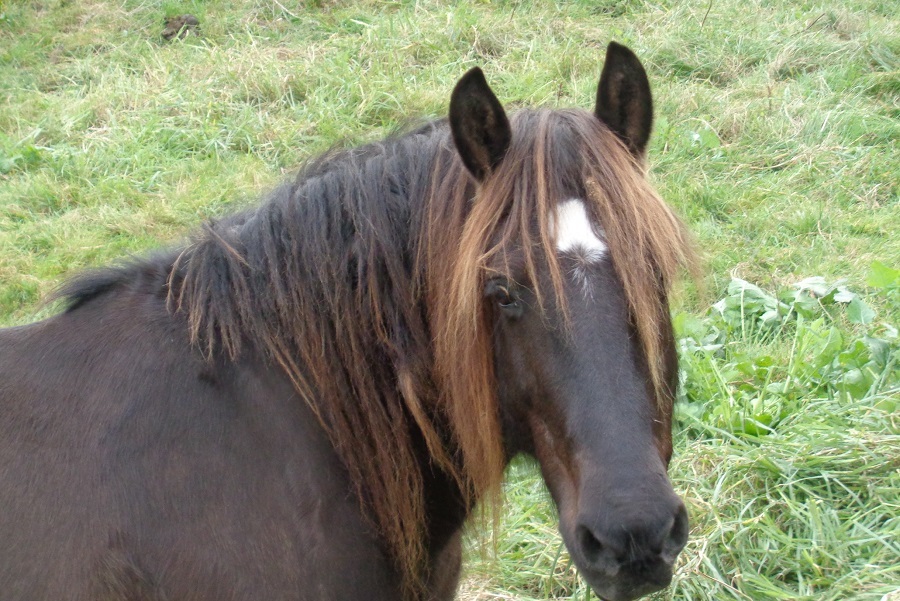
(575, 277)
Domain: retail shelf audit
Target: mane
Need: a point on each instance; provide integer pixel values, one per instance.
(327, 278)
(362, 279)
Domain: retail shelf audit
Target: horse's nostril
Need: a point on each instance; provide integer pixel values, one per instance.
(591, 547)
(678, 534)
(640, 541)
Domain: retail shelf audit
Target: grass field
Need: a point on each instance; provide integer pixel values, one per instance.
(777, 138)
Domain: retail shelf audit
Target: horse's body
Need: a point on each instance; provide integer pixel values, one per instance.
(135, 469)
(306, 402)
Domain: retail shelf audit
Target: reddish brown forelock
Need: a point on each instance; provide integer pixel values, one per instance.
(648, 244)
(511, 210)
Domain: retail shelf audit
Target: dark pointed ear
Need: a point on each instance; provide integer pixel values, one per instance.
(624, 102)
(478, 123)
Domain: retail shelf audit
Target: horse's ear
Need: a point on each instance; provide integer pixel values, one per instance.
(478, 123)
(624, 102)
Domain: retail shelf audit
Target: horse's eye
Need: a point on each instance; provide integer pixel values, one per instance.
(505, 296)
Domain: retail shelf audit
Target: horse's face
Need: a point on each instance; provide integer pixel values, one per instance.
(574, 388)
(577, 397)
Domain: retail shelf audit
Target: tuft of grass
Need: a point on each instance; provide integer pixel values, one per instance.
(776, 138)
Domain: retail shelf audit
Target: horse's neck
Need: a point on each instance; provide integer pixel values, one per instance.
(445, 508)
(446, 513)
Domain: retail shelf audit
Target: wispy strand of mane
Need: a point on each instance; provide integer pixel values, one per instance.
(363, 279)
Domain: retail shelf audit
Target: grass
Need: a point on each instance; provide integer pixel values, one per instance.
(776, 138)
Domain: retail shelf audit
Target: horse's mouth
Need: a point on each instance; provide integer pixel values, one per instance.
(627, 592)
(631, 595)
(628, 584)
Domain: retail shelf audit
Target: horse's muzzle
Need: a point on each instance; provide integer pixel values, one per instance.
(627, 556)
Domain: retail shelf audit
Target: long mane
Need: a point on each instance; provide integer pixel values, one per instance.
(330, 279)
(362, 279)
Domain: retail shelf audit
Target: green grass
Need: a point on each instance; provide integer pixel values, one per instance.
(776, 137)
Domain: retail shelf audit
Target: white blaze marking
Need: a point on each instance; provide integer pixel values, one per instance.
(575, 235)
(574, 232)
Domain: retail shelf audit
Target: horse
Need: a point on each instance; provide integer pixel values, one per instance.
(309, 398)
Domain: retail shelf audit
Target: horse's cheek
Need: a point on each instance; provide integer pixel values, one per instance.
(554, 454)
